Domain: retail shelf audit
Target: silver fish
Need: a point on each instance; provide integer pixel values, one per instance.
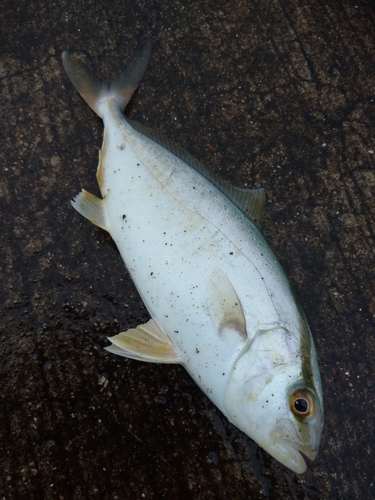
(219, 301)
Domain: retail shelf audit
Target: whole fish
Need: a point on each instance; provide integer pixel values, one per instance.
(219, 301)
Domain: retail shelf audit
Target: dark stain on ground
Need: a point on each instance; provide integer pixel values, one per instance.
(275, 94)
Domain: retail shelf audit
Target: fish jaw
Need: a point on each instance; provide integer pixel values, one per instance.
(290, 451)
(288, 455)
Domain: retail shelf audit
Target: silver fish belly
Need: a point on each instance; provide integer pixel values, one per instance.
(219, 301)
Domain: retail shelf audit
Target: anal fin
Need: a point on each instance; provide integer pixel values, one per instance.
(91, 207)
(147, 342)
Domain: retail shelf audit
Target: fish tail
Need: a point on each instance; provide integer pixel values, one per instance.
(95, 91)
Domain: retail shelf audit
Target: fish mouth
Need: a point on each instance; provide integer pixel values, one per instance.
(290, 449)
(308, 452)
(292, 455)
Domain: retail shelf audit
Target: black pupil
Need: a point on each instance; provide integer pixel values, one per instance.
(301, 405)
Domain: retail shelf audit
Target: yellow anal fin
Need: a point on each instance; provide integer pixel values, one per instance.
(147, 342)
(91, 207)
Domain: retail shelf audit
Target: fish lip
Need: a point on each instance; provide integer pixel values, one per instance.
(293, 449)
(293, 456)
(296, 454)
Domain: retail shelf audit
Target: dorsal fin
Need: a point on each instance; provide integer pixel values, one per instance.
(249, 201)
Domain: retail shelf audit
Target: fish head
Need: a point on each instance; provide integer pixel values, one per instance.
(276, 400)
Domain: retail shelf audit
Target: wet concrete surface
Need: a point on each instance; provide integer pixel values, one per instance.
(277, 94)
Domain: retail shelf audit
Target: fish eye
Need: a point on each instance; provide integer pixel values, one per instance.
(301, 403)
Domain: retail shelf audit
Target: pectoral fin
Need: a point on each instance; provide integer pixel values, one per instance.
(224, 306)
(147, 342)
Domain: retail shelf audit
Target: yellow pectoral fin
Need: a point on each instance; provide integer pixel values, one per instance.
(147, 342)
(91, 207)
(224, 306)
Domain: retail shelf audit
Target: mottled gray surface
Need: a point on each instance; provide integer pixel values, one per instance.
(278, 94)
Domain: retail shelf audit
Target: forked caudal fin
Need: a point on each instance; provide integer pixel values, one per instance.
(95, 91)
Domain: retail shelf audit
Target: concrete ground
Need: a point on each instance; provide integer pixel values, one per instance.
(278, 94)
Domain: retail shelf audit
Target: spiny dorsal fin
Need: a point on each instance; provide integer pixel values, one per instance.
(249, 201)
(147, 342)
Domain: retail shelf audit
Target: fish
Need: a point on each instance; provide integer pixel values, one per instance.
(219, 301)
